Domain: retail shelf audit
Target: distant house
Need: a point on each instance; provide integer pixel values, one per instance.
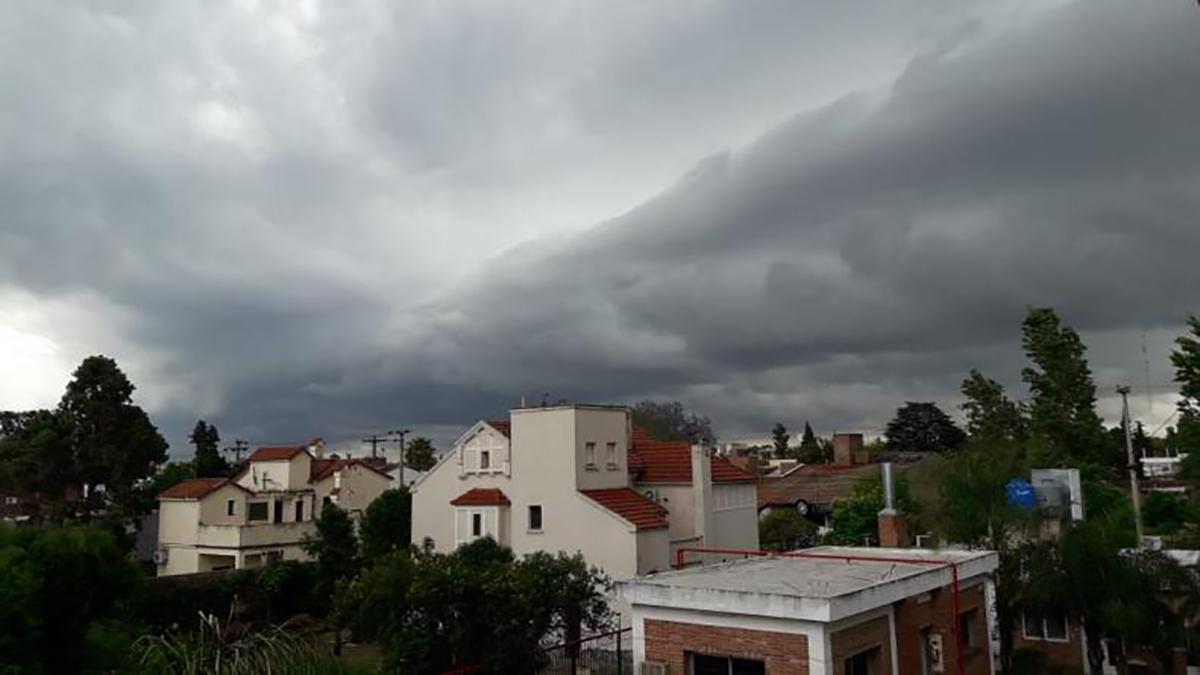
(262, 514)
(581, 478)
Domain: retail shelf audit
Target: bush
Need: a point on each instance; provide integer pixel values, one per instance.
(786, 530)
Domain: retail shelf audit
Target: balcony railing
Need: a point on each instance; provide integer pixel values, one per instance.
(254, 534)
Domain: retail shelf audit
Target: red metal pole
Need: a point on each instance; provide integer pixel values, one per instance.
(958, 645)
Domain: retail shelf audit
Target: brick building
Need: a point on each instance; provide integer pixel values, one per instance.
(836, 610)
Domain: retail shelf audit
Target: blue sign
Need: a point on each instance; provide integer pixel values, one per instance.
(1020, 493)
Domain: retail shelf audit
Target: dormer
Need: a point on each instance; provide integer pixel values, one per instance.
(484, 450)
(279, 468)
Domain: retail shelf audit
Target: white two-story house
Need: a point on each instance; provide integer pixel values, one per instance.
(263, 513)
(579, 478)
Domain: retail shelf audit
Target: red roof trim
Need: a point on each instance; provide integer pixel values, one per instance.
(643, 513)
(197, 488)
(481, 497)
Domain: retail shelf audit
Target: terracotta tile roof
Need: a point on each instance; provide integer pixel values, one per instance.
(644, 513)
(503, 426)
(814, 483)
(655, 461)
(193, 488)
(324, 468)
(481, 497)
(276, 453)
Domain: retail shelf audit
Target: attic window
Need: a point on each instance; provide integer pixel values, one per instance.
(485, 459)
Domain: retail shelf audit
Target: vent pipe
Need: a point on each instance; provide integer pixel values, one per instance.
(889, 489)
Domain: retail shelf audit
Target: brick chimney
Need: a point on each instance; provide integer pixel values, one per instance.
(893, 530)
(848, 449)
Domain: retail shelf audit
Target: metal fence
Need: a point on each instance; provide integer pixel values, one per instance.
(608, 653)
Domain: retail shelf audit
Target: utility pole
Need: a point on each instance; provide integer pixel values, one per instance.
(236, 450)
(1133, 480)
(375, 440)
(401, 433)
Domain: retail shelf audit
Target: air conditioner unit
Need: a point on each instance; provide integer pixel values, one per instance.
(160, 556)
(655, 668)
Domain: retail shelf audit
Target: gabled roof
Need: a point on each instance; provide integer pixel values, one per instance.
(481, 497)
(814, 483)
(503, 426)
(645, 514)
(196, 488)
(276, 453)
(655, 461)
(320, 469)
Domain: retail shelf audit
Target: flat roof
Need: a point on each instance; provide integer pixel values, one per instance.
(818, 588)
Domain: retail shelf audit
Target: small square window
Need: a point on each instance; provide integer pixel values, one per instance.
(230, 507)
(589, 454)
(966, 629)
(535, 518)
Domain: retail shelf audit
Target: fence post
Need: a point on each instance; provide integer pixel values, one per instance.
(620, 654)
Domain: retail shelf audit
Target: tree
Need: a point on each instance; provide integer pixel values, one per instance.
(1186, 436)
(1062, 412)
(786, 530)
(1165, 513)
(387, 524)
(35, 454)
(335, 546)
(990, 413)
(169, 474)
(671, 422)
(856, 518)
(923, 427)
(208, 462)
(112, 440)
(420, 455)
(779, 437)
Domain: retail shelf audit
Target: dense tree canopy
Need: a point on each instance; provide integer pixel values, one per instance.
(671, 422)
(990, 414)
(923, 427)
(1186, 436)
(779, 439)
(387, 524)
(856, 518)
(1062, 412)
(208, 462)
(786, 530)
(420, 454)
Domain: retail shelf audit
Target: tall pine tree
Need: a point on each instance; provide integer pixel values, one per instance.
(208, 462)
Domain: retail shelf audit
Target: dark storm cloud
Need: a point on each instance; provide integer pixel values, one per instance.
(313, 227)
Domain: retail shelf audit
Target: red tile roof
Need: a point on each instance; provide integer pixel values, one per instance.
(655, 461)
(276, 453)
(645, 514)
(194, 488)
(503, 426)
(324, 468)
(481, 497)
(814, 483)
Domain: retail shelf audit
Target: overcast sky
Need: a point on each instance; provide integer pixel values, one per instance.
(336, 218)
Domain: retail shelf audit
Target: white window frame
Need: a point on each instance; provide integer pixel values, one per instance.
(610, 455)
(484, 512)
(589, 455)
(1045, 636)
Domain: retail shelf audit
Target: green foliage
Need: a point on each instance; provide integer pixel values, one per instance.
(335, 546)
(923, 427)
(779, 438)
(208, 461)
(113, 442)
(218, 648)
(1186, 437)
(1165, 513)
(387, 524)
(35, 455)
(1062, 413)
(169, 474)
(813, 450)
(671, 422)
(477, 605)
(55, 583)
(991, 416)
(855, 518)
(420, 454)
(786, 530)
(973, 506)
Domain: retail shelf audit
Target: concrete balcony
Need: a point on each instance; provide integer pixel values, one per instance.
(253, 535)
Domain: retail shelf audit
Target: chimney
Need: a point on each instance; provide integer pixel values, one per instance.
(702, 494)
(848, 449)
(893, 531)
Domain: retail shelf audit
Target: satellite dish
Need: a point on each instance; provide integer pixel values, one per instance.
(802, 507)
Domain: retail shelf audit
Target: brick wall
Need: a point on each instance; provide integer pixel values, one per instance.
(935, 612)
(871, 634)
(669, 641)
(1067, 654)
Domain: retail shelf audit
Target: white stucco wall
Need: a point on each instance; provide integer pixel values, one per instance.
(546, 453)
(735, 516)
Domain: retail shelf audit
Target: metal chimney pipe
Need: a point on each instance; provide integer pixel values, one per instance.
(889, 489)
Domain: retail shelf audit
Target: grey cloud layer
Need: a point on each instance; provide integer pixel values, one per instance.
(276, 208)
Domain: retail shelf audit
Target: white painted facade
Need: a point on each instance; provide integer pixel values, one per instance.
(548, 458)
(260, 516)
